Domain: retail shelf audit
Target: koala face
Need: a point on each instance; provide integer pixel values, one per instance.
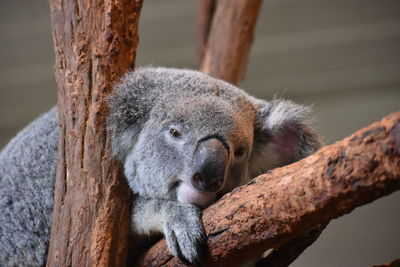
(190, 152)
(185, 136)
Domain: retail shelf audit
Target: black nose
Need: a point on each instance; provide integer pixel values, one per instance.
(201, 183)
(209, 165)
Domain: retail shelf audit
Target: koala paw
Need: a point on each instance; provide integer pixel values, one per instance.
(184, 233)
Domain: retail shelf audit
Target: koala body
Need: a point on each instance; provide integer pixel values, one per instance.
(184, 139)
(27, 174)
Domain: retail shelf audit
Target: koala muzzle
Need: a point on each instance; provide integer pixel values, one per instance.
(209, 165)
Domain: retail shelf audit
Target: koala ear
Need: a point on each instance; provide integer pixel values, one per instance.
(282, 135)
(128, 111)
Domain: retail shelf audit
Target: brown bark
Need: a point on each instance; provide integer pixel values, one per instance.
(205, 13)
(95, 43)
(286, 203)
(230, 39)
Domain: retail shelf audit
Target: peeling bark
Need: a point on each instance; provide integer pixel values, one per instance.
(95, 43)
(278, 207)
(230, 38)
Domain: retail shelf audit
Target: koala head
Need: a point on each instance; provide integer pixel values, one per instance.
(185, 136)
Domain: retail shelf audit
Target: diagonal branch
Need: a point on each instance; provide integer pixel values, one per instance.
(287, 202)
(394, 263)
(288, 252)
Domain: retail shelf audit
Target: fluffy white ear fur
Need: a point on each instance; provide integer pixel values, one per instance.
(282, 135)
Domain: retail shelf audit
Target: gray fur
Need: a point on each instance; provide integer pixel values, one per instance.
(27, 172)
(210, 115)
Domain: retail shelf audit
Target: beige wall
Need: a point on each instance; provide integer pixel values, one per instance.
(341, 56)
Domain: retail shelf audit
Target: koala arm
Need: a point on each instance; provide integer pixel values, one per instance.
(179, 223)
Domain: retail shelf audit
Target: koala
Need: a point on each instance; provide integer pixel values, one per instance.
(184, 140)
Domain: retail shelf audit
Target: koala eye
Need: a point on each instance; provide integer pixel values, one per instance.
(175, 133)
(239, 152)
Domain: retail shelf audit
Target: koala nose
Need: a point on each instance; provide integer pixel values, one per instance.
(200, 183)
(209, 165)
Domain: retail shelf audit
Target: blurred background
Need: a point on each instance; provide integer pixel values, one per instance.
(341, 56)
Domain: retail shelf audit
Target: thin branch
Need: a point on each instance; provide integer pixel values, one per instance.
(205, 13)
(230, 39)
(288, 252)
(394, 263)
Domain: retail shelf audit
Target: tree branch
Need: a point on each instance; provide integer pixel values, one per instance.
(230, 39)
(287, 202)
(288, 252)
(205, 13)
(95, 43)
(394, 263)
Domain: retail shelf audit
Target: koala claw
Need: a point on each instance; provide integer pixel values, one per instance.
(185, 234)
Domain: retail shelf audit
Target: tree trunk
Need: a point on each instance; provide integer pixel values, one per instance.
(95, 43)
(230, 39)
(205, 13)
(286, 203)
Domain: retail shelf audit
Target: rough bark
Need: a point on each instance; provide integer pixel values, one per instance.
(287, 202)
(95, 43)
(205, 13)
(230, 39)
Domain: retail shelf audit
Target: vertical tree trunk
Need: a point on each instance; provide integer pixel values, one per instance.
(205, 13)
(95, 43)
(230, 39)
